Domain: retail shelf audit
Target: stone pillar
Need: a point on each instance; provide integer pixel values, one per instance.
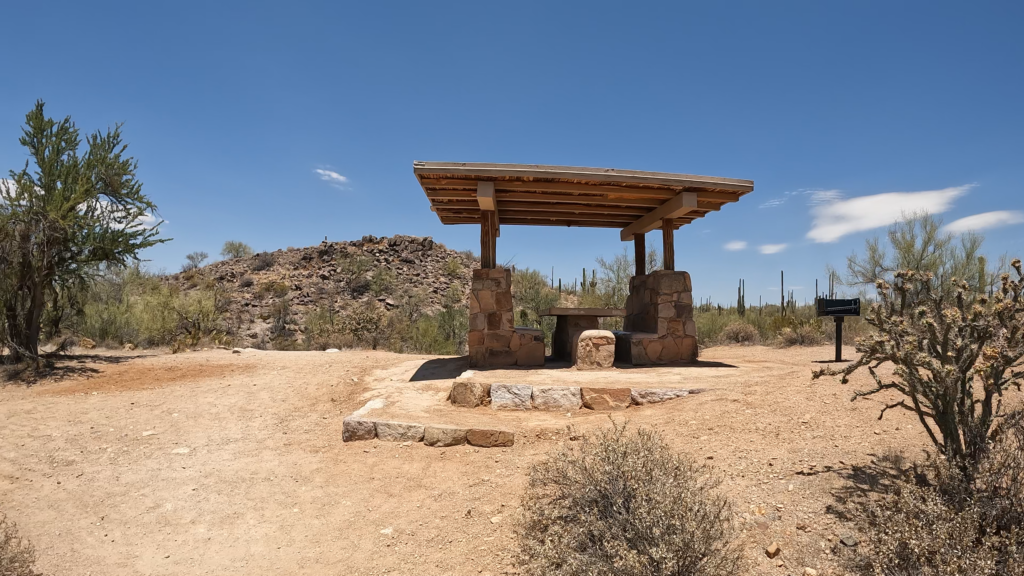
(493, 339)
(659, 325)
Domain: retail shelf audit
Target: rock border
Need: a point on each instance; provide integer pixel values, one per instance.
(529, 397)
(356, 429)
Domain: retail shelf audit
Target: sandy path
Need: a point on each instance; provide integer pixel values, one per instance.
(220, 463)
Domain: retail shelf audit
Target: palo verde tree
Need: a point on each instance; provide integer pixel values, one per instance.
(63, 216)
(953, 352)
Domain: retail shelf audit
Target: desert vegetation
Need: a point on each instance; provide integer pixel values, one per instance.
(621, 502)
(17, 555)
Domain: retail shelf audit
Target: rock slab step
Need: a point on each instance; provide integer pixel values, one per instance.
(399, 431)
(442, 436)
(606, 398)
(490, 438)
(511, 396)
(470, 394)
(643, 396)
(557, 398)
(354, 429)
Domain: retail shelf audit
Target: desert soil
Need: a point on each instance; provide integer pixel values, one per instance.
(219, 463)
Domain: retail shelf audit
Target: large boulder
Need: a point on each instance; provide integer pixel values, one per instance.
(441, 436)
(399, 431)
(353, 429)
(470, 394)
(490, 438)
(557, 398)
(511, 396)
(595, 349)
(606, 398)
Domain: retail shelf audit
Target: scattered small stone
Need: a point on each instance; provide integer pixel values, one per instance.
(180, 451)
(149, 432)
(848, 540)
(387, 531)
(332, 350)
(236, 351)
(810, 572)
(496, 519)
(773, 550)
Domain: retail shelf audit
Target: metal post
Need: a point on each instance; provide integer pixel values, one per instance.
(839, 338)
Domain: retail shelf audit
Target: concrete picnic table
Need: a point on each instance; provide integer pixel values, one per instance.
(571, 322)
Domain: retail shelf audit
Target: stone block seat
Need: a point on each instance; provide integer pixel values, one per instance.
(658, 327)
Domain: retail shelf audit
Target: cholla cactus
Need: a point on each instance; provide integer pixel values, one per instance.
(941, 347)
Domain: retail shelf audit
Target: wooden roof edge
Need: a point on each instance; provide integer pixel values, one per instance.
(579, 173)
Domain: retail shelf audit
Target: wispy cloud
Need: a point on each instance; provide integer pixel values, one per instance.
(774, 202)
(735, 245)
(839, 218)
(771, 248)
(985, 221)
(332, 177)
(819, 197)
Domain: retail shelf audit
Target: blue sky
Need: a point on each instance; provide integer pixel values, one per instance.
(281, 123)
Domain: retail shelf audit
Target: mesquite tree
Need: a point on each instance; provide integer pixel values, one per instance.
(62, 217)
(954, 352)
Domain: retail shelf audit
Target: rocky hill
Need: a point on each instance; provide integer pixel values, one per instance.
(266, 298)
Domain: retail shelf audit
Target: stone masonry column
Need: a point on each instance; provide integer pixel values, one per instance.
(493, 339)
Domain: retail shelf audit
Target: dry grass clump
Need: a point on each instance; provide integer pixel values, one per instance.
(946, 525)
(17, 556)
(801, 336)
(739, 333)
(624, 504)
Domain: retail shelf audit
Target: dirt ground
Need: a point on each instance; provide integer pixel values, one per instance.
(220, 463)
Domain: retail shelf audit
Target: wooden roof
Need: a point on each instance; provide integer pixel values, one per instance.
(538, 195)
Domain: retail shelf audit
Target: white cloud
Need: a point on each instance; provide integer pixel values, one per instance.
(772, 248)
(839, 218)
(774, 202)
(735, 245)
(332, 177)
(984, 221)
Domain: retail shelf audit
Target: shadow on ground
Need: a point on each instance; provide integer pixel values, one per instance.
(452, 367)
(57, 368)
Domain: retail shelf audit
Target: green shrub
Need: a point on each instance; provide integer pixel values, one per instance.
(453, 268)
(382, 282)
(129, 305)
(234, 249)
(17, 556)
(806, 335)
(624, 504)
(246, 282)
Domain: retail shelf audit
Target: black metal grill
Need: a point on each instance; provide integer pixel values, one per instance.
(838, 309)
(838, 306)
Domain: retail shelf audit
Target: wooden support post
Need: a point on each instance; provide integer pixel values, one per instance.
(669, 244)
(488, 239)
(640, 253)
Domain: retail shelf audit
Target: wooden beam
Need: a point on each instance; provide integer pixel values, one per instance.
(551, 198)
(680, 205)
(572, 208)
(640, 254)
(485, 198)
(488, 234)
(624, 218)
(668, 243)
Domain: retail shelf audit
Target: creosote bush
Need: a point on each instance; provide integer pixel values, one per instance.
(262, 261)
(17, 556)
(619, 503)
(739, 333)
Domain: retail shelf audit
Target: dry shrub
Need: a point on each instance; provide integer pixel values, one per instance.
(800, 336)
(263, 261)
(17, 556)
(624, 504)
(739, 333)
(945, 524)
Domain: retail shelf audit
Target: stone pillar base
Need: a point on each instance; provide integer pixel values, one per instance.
(493, 340)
